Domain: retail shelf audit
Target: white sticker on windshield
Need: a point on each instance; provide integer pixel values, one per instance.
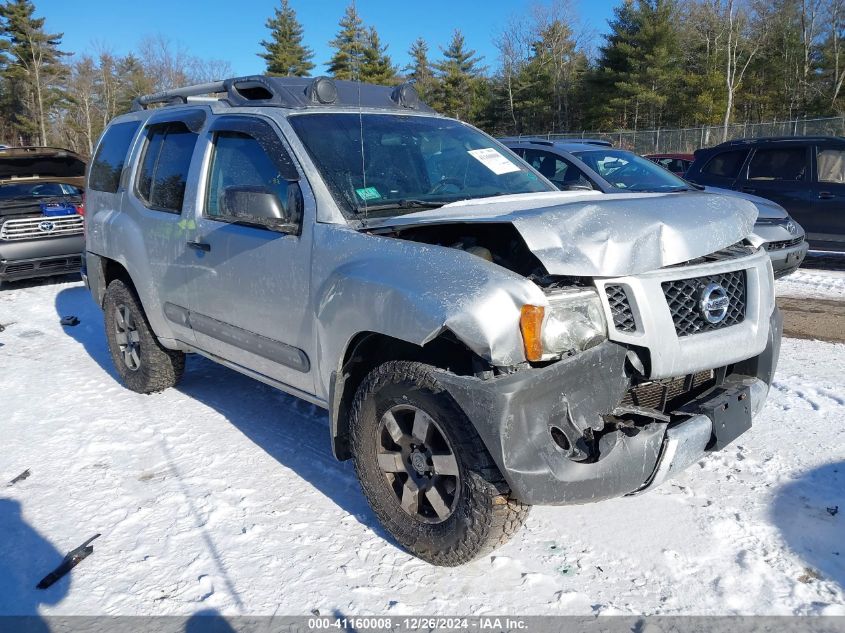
(493, 160)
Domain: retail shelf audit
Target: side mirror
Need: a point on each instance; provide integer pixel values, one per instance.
(257, 205)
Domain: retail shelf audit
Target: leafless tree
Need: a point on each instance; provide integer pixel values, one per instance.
(743, 42)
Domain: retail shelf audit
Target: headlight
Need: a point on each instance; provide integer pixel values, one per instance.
(573, 321)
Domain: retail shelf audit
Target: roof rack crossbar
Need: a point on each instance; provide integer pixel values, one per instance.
(179, 94)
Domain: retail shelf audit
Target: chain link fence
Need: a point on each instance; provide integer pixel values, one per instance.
(687, 140)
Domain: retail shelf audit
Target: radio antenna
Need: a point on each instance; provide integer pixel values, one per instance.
(359, 49)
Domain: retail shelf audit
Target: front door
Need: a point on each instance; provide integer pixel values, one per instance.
(782, 173)
(249, 279)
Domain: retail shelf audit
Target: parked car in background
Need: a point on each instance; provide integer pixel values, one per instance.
(676, 163)
(805, 175)
(477, 345)
(573, 166)
(41, 209)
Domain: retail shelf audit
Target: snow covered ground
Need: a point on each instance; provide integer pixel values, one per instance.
(814, 283)
(223, 495)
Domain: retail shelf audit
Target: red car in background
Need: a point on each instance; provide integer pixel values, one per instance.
(676, 163)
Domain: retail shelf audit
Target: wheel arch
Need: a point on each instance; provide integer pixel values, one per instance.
(367, 350)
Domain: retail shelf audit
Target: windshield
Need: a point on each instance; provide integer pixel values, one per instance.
(19, 191)
(404, 163)
(629, 172)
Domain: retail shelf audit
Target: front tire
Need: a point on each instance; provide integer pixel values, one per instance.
(142, 363)
(425, 471)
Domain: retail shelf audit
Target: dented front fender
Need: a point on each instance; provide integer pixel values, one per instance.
(412, 292)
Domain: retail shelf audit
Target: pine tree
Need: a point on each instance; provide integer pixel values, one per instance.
(615, 62)
(349, 45)
(33, 70)
(376, 66)
(640, 67)
(420, 70)
(285, 53)
(459, 74)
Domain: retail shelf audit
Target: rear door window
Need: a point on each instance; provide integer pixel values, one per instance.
(164, 166)
(779, 163)
(108, 163)
(726, 164)
(830, 165)
(557, 169)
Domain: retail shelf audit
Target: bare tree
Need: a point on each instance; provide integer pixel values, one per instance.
(559, 47)
(742, 44)
(810, 14)
(171, 66)
(83, 112)
(835, 18)
(514, 52)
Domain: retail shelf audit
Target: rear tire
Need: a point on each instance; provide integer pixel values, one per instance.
(141, 361)
(408, 436)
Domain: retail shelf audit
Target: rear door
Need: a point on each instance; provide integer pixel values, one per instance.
(249, 277)
(782, 172)
(155, 200)
(825, 224)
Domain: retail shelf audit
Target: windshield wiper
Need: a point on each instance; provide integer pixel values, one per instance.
(658, 190)
(404, 204)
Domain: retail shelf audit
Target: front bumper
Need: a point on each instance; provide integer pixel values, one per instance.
(27, 259)
(787, 260)
(514, 415)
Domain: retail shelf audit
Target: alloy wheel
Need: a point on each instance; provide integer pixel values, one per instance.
(127, 337)
(418, 463)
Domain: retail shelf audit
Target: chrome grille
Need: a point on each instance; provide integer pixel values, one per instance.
(684, 295)
(620, 309)
(35, 228)
(779, 246)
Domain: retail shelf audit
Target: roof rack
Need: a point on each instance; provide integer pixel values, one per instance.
(770, 139)
(291, 92)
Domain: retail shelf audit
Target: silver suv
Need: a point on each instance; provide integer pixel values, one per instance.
(481, 341)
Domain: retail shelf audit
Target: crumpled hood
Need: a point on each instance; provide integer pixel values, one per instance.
(599, 235)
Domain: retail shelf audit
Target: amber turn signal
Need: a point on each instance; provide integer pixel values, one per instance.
(531, 326)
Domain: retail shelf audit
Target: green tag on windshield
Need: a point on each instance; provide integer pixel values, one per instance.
(368, 193)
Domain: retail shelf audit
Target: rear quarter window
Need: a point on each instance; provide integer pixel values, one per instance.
(108, 163)
(164, 166)
(726, 164)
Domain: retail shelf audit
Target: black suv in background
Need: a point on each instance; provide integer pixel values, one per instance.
(805, 175)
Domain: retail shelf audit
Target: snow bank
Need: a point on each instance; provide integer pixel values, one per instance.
(816, 284)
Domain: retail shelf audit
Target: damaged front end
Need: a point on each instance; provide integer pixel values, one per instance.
(645, 343)
(589, 427)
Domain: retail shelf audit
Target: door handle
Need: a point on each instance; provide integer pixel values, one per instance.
(826, 195)
(749, 190)
(200, 246)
